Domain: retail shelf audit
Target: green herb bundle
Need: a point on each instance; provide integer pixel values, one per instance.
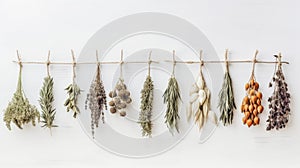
(172, 98)
(19, 110)
(73, 92)
(96, 100)
(46, 103)
(146, 107)
(226, 100)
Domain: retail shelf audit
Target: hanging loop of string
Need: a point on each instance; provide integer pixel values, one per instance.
(174, 63)
(201, 60)
(253, 65)
(73, 66)
(48, 63)
(226, 60)
(121, 65)
(98, 63)
(149, 62)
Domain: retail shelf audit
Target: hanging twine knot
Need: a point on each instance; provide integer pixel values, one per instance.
(226, 60)
(149, 62)
(19, 59)
(174, 63)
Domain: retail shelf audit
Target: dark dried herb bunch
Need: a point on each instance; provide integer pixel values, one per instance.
(172, 98)
(120, 98)
(46, 100)
(146, 107)
(96, 100)
(279, 102)
(19, 110)
(226, 100)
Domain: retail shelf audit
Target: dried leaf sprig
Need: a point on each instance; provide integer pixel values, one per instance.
(199, 104)
(19, 110)
(46, 100)
(73, 91)
(172, 99)
(147, 104)
(226, 97)
(279, 102)
(96, 100)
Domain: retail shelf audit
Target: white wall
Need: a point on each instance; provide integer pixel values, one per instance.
(34, 27)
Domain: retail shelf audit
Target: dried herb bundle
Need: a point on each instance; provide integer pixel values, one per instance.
(146, 107)
(97, 101)
(279, 102)
(73, 91)
(46, 100)
(200, 99)
(172, 98)
(120, 98)
(19, 110)
(226, 100)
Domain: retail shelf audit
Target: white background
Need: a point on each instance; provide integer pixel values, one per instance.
(34, 27)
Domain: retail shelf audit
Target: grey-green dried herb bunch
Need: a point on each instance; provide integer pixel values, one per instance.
(46, 103)
(279, 102)
(19, 110)
(96, 100)
(120, 98)
(73, 92)
(172, 98)
(226, 100)
(146, 107)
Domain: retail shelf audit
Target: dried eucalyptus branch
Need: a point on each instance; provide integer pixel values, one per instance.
(172, 98)
(19, 110)
(97, 101)
(226, 100)
(146, 107)
(46, 101)
(73, 91)
(279, 102)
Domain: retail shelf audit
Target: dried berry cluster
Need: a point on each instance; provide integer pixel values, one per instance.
(251, 105)
(279, 102)
(97, 101)
(120, 98)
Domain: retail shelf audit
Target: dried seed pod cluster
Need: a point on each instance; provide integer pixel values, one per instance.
(120, 98)
(251, 105)
(279, 102)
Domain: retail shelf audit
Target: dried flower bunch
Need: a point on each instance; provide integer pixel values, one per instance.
(199, 104)
(279, 102)
(120, 98)
(19, 110)
(73, 91)
(147, 103)
(146, 107)
(226, 98)
(251, 104)
(96, 100)
(46, 101)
